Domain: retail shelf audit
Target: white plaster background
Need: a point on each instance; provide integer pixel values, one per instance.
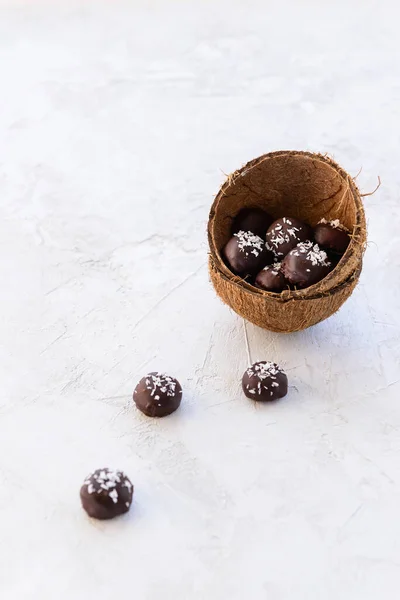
(117, 120)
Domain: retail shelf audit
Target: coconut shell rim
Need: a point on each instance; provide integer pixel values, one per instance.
(290, 295)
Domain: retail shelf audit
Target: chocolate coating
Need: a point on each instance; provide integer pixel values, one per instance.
(332, 236)
(106, 493)
(255, 220)
(305, 265)
(246, 253)
(271, 278)
(157, 395)
(285, 233)
(264, 381)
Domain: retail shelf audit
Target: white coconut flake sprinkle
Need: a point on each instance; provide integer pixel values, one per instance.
(275, 268)
(334, 223)
(312, 253)
(249, 242)
(263, 371)
(278, 236)
(107, 480)
(158, 383)
(114, 496)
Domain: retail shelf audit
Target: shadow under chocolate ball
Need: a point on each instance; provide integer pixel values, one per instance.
(157, 395)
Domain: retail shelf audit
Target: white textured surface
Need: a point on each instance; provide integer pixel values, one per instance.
(116, 121)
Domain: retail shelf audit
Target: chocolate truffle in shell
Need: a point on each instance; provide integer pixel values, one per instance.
(271, 278)
(331, 235)
(246, 253)
(157, 395)
(264, 381)
(255, 220)
(305, 265)
(106, 493)
(285, 233)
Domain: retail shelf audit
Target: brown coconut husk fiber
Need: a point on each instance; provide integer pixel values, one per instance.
(294, 184)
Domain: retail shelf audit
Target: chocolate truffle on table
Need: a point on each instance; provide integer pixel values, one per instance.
(264, 381)
(255, 220)
(332, 236)
(305, 265)
(271, 278)
(285, 233)
(246, 253)
(106, 494)
(157, 395)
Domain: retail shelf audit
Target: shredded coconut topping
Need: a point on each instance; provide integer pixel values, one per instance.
(107, 480)
(313, 253)
(248, 242)
(275, 268)
(265, 377)
(335, 223)
(160, 382)
(114, 496)
(280, 235)
(264, 369)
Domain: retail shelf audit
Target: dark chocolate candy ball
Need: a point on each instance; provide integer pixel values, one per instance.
(157, 395)
(332, 236)
(106, 493)
(284, 234)
(264, 381)
(305, 265)
(255, 220)
(271, 278)
(246, 253)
